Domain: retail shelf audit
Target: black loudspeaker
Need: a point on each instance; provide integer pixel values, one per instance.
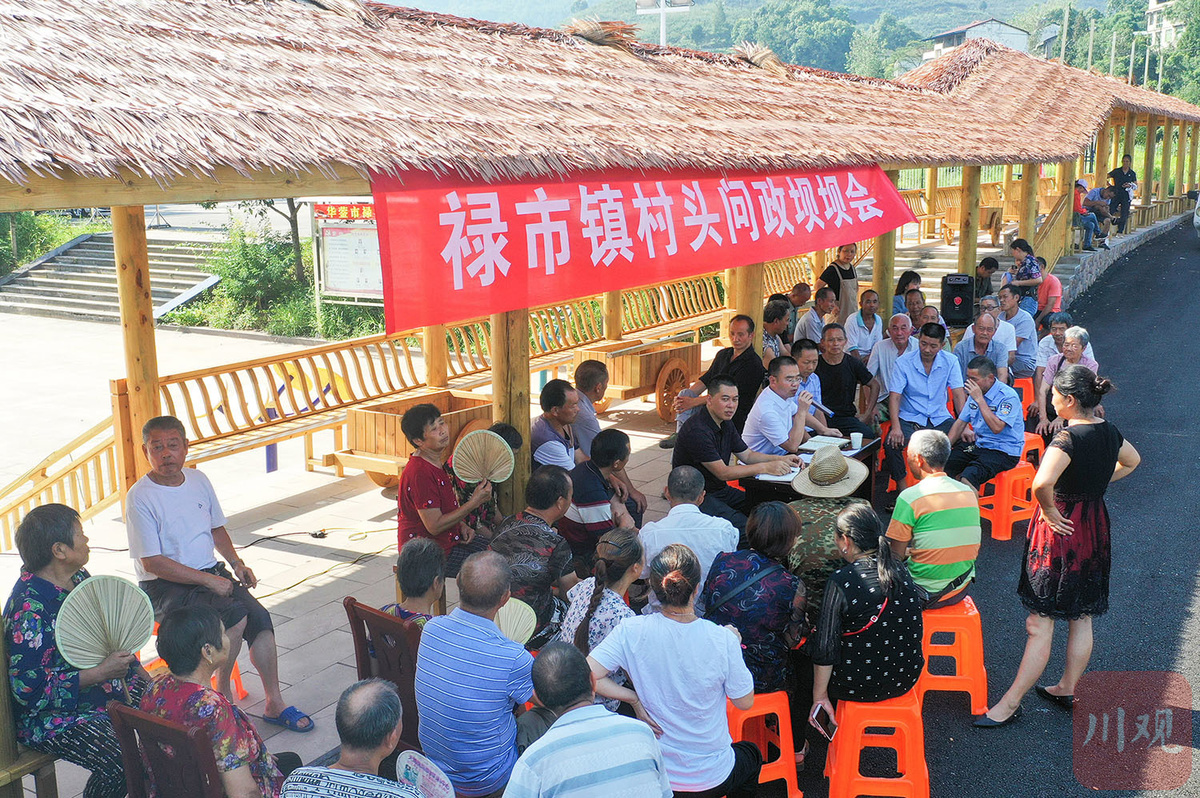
(957, 299)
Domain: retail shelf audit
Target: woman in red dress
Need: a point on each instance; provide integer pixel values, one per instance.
(1067, 555)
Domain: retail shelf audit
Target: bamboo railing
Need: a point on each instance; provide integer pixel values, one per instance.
(1051, 238)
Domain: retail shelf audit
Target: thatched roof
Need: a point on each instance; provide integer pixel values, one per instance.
(981, 72)
(181, 87)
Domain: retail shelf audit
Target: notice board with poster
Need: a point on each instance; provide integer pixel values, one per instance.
(348, 263)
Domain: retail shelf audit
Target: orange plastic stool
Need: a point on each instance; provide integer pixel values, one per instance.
(1012, 500)
(907, 738)
(753, 725)
(235, 679)
(1024, 387)
(970, 676)
(1034, 445)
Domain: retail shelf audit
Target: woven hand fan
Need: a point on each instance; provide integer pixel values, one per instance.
(483, 455)
(101, 615)
(517, 620)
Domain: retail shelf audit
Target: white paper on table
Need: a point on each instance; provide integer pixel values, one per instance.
(806, 458)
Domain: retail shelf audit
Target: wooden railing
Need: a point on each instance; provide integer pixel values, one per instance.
(1051, 239)
(657, 305)
(82, 474)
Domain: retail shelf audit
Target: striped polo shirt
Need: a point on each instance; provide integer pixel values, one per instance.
(590, 751)
(469, 677)
(940, 516)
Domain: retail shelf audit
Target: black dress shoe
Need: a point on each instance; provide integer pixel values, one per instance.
(984, 722)
(1065, 701)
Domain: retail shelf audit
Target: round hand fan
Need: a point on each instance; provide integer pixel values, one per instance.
(483, 455)
(517, 620)
(418, 772)
(102, 615)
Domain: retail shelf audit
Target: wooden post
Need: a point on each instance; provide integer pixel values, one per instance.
(128, 445)
(1103, 148)
(1009, 182)
(884, 267)
(1180, 157)
(1164, 166)
(1027, 226)
(1131, 127)
(968, 228)
(612, 315)
(931, 187)
(1193, 172)
(820, 261)
(1147, 175)
(749, 291)
(510, 396)
(436, 355)
(137, 323)
(1066, 187)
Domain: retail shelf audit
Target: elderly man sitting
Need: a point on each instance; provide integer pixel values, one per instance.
(470, 677)
(983, 344)
(989, 434)
(569, 754)
(776, 422)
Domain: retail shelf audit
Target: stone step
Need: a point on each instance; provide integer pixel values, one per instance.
(61, 311)
(70, 290)
(156, 272)
(106, 260)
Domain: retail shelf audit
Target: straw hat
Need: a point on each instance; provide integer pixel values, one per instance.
(830, 475)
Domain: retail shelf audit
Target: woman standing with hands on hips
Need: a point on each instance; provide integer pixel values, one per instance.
(1067, 552)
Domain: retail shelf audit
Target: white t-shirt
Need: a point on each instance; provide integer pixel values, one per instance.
(1006, 334)
(858, 337)
(706, 535)
(770, 422)
(683, 672)
(883, 357)
(176, 522)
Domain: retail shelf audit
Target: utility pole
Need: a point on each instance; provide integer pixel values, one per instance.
(1146, 71)
(1066, 26)
(1132, 52)
(1091, 43)
(1112, 56)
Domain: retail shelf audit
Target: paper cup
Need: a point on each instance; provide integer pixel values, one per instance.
(855, 440)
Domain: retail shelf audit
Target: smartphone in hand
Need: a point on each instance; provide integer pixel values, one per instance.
(823, 722)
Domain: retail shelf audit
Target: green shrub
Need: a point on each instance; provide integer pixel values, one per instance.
(38, 233)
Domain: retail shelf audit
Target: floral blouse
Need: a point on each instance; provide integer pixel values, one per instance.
(419, 618)
(235, 741)
(45, 688)
(611, 611)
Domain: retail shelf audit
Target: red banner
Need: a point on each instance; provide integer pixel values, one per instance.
(453, 250)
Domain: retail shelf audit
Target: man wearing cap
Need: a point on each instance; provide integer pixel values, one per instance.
(936, 523)
(989, 434)
(918, 387)
(706, 442)
(776, 422)
(1084, 218)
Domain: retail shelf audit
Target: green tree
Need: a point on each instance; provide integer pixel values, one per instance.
(722, 29)
(875, 50)
(807, 32)
(1182, 68)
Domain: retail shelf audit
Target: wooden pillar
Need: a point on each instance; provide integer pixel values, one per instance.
(968, 228)
(1193, 172)
(137, 323)
(1147, 173)
(748, 280)
(436, 355)
(510, 396)
(1131, 127)
(931, 187)
(884, 263)
(1066, 187)
(1104, 139)
(1027, 226)
(612, 315)
(1164, 166)
(1180, 157)
(1009, 184)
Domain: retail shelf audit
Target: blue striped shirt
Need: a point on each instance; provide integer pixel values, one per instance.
(589, 752)
(469, 677)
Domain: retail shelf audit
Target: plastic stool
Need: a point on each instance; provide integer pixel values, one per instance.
(1024, 387)
(970, 676)
(903, 716)
(752, 725)
(235, 679)
(1012, 500)
(1034, 445)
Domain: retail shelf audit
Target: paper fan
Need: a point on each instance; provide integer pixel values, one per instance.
(483, 455)
(517, 620)
(101, 615)
(417, 771)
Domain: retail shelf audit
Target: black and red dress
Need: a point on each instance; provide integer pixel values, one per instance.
(1066, 576)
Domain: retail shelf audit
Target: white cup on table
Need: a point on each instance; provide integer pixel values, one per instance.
(856, 439)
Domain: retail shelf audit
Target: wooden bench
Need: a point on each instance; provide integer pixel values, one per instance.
(916, 202)
(22, 761)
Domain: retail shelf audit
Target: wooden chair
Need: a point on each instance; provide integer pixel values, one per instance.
(19, 761)
(394, 643)
(180, 760)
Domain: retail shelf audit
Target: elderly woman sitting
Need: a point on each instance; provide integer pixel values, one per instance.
(59, 709)
(193, 643)
(1075, 343)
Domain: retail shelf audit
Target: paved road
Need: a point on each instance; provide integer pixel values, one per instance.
(1152, 623)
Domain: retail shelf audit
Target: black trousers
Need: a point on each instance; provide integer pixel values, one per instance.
(978, 465)
(743, 779)
(851, 424)
(1120, 208)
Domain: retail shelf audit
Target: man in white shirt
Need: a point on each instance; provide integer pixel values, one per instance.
(1026, 329)
(864, 329)
(776, 422)
(885, 353)
(706, 535)
(812, 324)
(1051, 345)
(174, 523)
(552, 434)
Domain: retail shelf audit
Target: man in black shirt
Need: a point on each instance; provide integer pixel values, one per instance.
(840, 376)
(707, 440)
(1121, 178)
(740, 363)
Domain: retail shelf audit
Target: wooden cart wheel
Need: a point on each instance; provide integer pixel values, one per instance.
(603, 405)
(672, 378)
(471, 426)
(384, 480)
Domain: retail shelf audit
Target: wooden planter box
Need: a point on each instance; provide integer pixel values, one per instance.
(663, 369)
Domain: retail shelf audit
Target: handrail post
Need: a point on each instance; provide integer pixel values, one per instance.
(510, 396)
(1027, 226)
(968, 229)
(611, 301)
(124, 439)
(137, 321)
(884, 262)
(436, 355)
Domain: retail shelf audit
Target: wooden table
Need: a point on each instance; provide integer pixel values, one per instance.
(759, 491)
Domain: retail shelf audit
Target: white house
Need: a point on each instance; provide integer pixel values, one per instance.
(994, 29)
(1164, 22)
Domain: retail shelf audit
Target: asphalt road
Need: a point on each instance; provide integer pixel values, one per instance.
(1140, 318)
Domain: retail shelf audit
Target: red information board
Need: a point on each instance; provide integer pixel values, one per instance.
(453, 250)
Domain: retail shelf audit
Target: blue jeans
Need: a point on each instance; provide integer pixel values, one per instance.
(686, 414)
(1029, 305)
(1090, 225)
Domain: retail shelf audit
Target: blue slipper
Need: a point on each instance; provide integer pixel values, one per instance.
(290, 719)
